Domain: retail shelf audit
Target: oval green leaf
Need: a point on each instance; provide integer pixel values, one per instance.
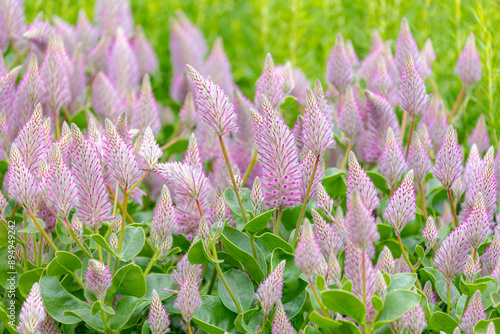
(345, 303)
(258, 223)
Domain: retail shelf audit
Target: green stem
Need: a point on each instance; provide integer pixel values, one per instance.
(250, 167)
(424, 206)
(99, 251)
(346, 156)
(42, 231)
(420, 261)
(448, 298)
(153, 259)
(364, 289)
(212, 282)
(14, 212)
(140, 180)
(263, 324)
(409, 137)
(278, 221)
(189, 328)
(40, 245)
(25, 239)
(106, 326)
(235, 186)
(457, 103)
(453, 209)
(408, 260)
(252, 242)
(170, 143)
(323, 308)
(304, 203)
(122, 232)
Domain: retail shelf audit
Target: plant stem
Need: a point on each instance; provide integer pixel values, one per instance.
(424, 206)
(212, 282)
(170, 143)
(364, 288)
(453, 209)
(304, 203)
(122, 232)
(346, 155)
(25, 239)
(99, 251)
(408, 260)
(153, 260)
(323, 308)
(251, 165)
(106, 326)
(263, 324)
(224, 281)
(189, 328)
(278, 221)
(115, 200)
(14, 212)
(409, 137)
(235, 186)
(254, 250)
(448, 306)
(42, 231)
(457, 103)
(56, 124)
(138, 182)
(403, 123)
(40, 245)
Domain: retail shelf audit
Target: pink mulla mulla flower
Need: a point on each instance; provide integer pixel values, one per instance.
(269, 86)
(38, 35)
(8, 93)
(322, 101)
(164, 222)
(392, 160)
(473, 167)
(427, 56)
(297, 131)
(350, 121)
(67, 33)
(355, 259)
(158, 319)
(412, 94)
(471, 269)
(307, 166)
(476, 226)
(358, 180)
(218, 68)
(12, 23)
(324, 202)
(308, 254)
(98, 55)
(286, 78)
(428, 291)
(423, 133)
(184, 269)
(271, 289)
(111, 15)
(328, 237)
(188, 298)
(496, 272)
(468, 66)
(479, 135)
(3, 206)
(415, 320)
(418, 159)
(406, 44)
(381, 116)
(98, 278)
(213, 104)
(146, 109)
(490, 256)
(300, 83)
(448, 163)
(150, 150)
(122, 66)
(144, 52)
(21, 183)
(278, 155)
(281, 323)
(452, 254)
(55, 70)
(339, 70)
(497, 174)
(382, 81)
(360, 226)
(351, 53)
(30, 92)
(32, 312)
(49, 326)
(402, 208)
(435, 119)
(209, 145)
(386, 261)
(187, 113)
(474, 313)
(78, 80)
(430, 233)
(85, 32)
(122, 161)
(93, 204)
(192, 156)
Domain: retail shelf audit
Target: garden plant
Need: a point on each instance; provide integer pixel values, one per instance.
(356, 202)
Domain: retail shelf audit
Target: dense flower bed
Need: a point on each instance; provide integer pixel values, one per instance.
(345, 210)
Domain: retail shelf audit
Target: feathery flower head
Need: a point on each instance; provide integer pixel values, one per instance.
(188, 298)
(184, 269)
(491, 328)
(12, 23)
(430, 233)
(473, 167)
(213, 104)
(158, 319)
(308, 254)
(164, 222)
(188, 181)
(397, 326)
(323, 201)
(22, 184)
(477, 226)
(3, 206)
(448, 162)
(269, 85)
(256, 195)
(402, 207)
(350, 121)
(357, 179)
(98, 55)
(187, 113)
(412, 95)
(144, 52)
(392, 160)
(146, 109)
(428, 291)
(339, 70)
(32, 312)
(380, 284)
(415, 320)
(496, 272)
(307, 166)
(452, 254)
(471, 269)
(77, 80)
(329, 240)
(271, 289)
(423, 133)
(105, 100)
(490, 256)
(192, 156)
(218, 68)
(150, 150)
(281, 323)
(418, 159)
(122, 66)
(427, 56)
(360, 226)
(381, 117)
(113, 14)
(406, 44)
(468, 66)
(49, 326)
(386, 261)
(479, 135)
(382, 82)
(436, 120)
(287, 83)
(474, 313)
(98, 278)
(322, 101)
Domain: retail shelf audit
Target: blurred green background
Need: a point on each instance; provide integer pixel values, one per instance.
(304, 32)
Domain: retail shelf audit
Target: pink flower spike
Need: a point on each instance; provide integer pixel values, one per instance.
(360, 226)
(113, 14)
(218, 68)
(98, 278)
(406, 44)
(271, 289)
(358, 180)
(330, 241)
(356, 262)
(32, 312)
(105, 100)
(350, 121)
(188, 299)
(402, 208)
(418, 159)
(415, 320)
(477, 227)
(158, 319)
(281, 323)
(164, 222)
(269, 85)
(430, 233)
(22, 185)
(144, 52)
(479, 135)
(474, 313)
(435, 119)
(490, 256)
(448, 162)
(412, 95)
(392, 160)
(308, 254)
(427, 56)
(452, 254)
(150, 150)
(339, 70)
(146, 109)
(49, 326)
(468, 66)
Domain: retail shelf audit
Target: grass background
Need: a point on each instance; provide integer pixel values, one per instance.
(304, 32)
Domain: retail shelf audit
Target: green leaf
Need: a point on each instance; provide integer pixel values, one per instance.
(197, 253)
(57, 300)
(242, 288)
(385, 231)
(232, 201)
(344, 303)
(99, 239)
(482, 325)
(5, 320)
(128, 281)
(94, 321)
(133, 241)
(64, 263)
(288, 102)
(290, 216)
(27, 279)
(377, 303)
(179, 147)
(30, 226)
(492, 286)
(247, 322)
(4, 166)
(79, 119)
(334, 183)
(440, 285)
(441, 321)
(495, 299)
(272, 242)
(63, 234)
(123, 310)
(159, 282)
(469, 289)
(213, 317)
(97, 307)
(420, 251)
(378, 181)
(403, 281)
(327, 324)
(258, 223)
(238, 246)
(292, 283)
(396, 304)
